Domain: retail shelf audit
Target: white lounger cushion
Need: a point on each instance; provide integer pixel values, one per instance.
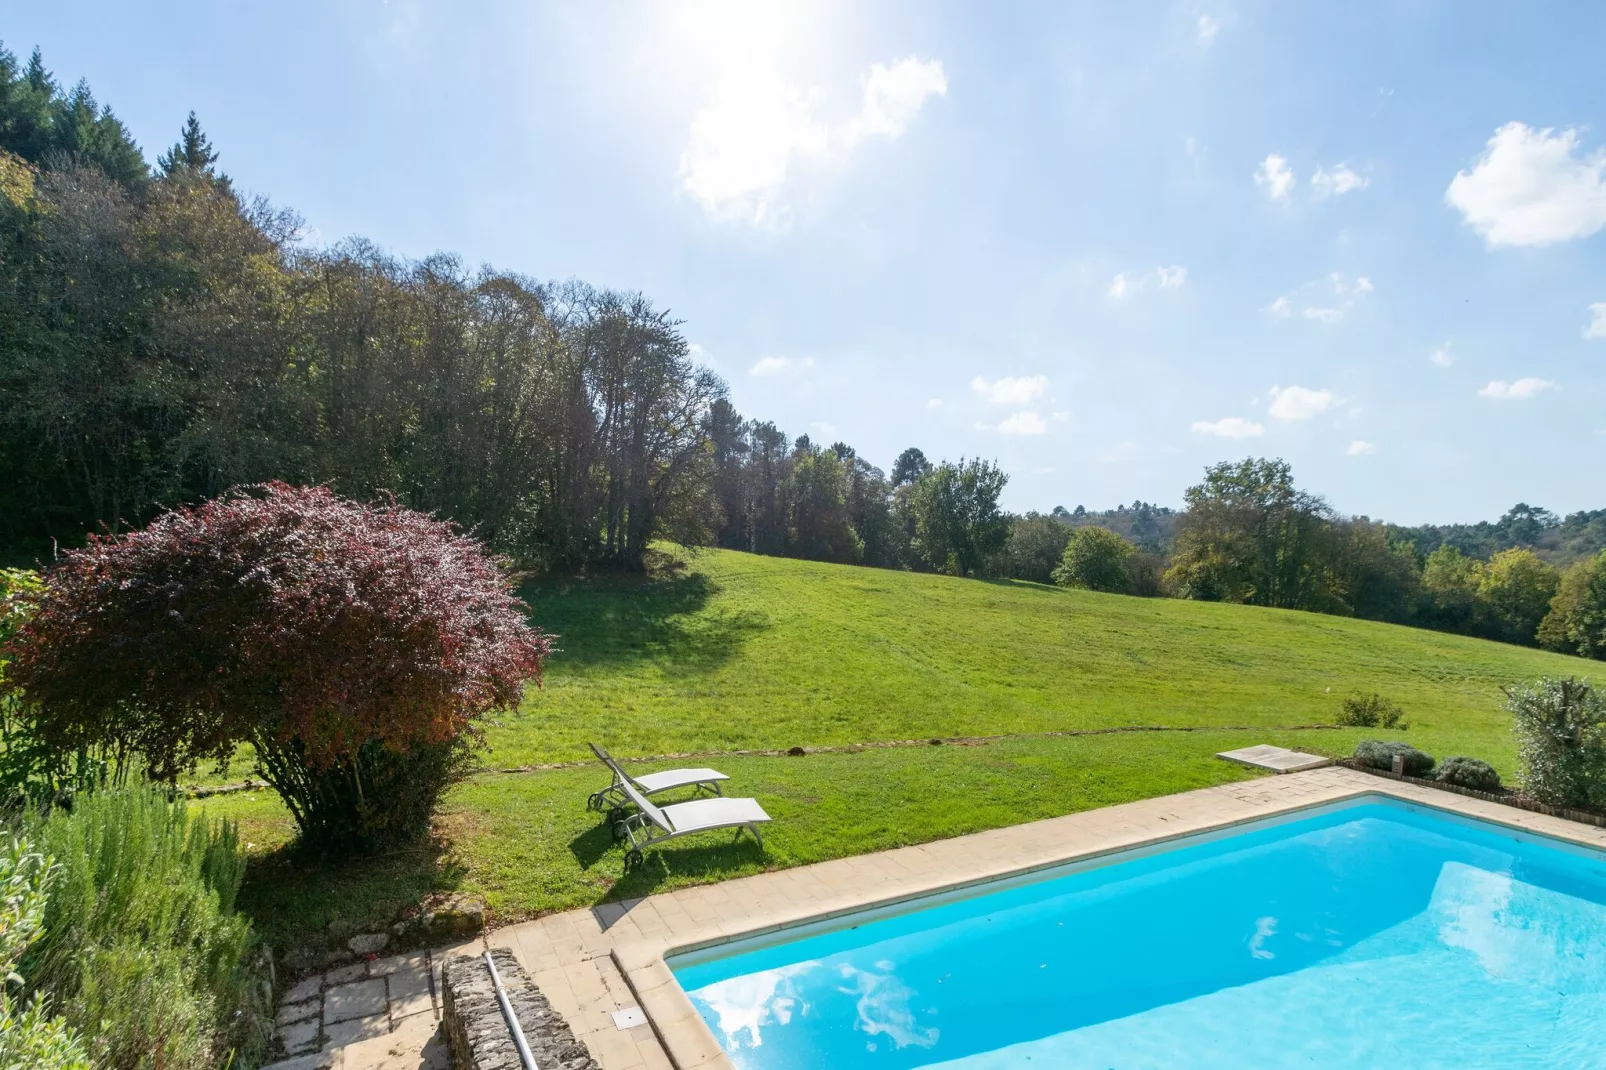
(713, 814)
(677, 778)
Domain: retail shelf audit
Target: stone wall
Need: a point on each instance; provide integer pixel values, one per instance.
(477, 1035)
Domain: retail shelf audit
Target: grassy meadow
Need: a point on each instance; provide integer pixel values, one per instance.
(729, 651)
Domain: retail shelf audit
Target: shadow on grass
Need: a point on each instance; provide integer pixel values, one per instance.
(713, 856)
(295, 900)
(593, 845)
(612, 619)
(695, 863)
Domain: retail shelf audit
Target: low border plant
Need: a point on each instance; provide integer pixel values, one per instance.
(1467, 772)
(139, 946)
(1380, 754)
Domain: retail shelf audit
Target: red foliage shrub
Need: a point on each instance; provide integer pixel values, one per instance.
(282, 616)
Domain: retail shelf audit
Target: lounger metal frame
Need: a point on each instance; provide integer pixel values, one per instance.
(613, 796)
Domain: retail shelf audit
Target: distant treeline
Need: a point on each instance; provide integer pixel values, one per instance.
(1249, 535)
(163, 338)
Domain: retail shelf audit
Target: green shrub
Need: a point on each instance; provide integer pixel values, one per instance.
(1561, 740)
(140, 946)
(1372, 711)
(1380, 754)
(30, 1037)
(1095, 558)
(1468, 773)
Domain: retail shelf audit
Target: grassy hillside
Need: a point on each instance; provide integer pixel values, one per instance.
(739, 651)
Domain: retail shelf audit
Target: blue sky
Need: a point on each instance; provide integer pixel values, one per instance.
(1104, 244)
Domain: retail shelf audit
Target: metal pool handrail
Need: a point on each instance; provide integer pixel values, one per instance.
(512, 1019)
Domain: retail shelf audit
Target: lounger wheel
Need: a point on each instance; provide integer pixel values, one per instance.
(633, 858)
(594, 801)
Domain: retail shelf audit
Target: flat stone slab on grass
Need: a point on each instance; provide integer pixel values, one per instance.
(1276, 759)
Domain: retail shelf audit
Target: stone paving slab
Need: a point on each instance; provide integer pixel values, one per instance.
(387, 1008)
(356, 999)
(298, 1012)
(1275, 759)
(351, 1030)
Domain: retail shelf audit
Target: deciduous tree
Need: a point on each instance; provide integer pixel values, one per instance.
(958, 525)
(1576, 622)
(1095, 559)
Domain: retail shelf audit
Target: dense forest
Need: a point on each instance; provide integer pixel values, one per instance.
(163, 338)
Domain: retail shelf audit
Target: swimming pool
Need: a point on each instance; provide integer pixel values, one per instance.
(1371, 933)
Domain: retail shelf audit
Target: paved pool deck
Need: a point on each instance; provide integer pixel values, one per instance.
(595, 962)
(591, 963)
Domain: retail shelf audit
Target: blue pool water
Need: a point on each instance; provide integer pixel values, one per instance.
(1366, 935)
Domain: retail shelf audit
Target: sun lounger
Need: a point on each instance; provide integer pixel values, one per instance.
(652, 825)
(651, 783)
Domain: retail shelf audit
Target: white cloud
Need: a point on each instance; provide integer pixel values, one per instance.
(1442, 356)
(823, 429)
(1360, 449)
(1207, 28)
(934, 403)
(1011, 390)
(1345, 288)
(894, 95)
(1299, 403)
(1167, 277)
(1046, 470)
(1229, 427)
(1059, 417)
(1597, 321)
(1338, 181)
(1275, 175)
(745, 143)
(1532, 187)
(1024, 422)
(1348, 292)
(1526, 387)
(777, 365)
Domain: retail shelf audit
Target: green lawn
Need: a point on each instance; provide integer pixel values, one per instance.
(742, 652)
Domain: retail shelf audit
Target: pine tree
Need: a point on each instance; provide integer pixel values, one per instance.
(193, 153)
(52, 130)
